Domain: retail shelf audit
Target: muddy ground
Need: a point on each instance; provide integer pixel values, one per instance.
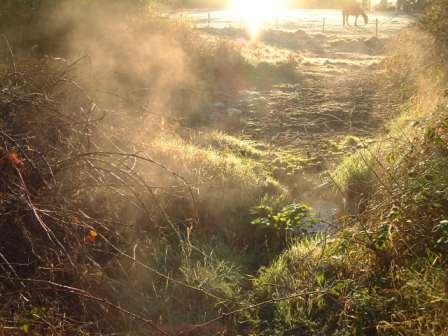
(338, 95)
(334, 100)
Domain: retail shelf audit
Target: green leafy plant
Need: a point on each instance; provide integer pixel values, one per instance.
(441, 234)
(294, 217)
(275, 229)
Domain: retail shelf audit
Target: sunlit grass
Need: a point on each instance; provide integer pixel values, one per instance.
(228, 182)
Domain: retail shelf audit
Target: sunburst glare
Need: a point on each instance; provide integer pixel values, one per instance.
(256, 13)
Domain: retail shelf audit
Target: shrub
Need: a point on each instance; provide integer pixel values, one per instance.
(434, 21)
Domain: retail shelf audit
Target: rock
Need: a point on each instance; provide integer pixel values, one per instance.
(219, 105)
(214, 116)
(234, 112)
(248, 95)
(301, 34)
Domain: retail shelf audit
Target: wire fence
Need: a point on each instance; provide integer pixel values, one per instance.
(325, 22)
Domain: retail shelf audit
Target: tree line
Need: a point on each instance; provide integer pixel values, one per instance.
(403, 5)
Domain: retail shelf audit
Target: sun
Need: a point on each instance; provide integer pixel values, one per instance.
(255, 13)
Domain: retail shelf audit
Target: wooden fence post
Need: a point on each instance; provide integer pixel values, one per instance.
(376, 27)
(323, 25)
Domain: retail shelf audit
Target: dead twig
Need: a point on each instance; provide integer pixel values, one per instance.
(11, 56)
(85, 294)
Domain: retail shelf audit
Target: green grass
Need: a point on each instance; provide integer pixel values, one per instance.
(308, 285)
(282, 165)
(228, 185)
(226, 143)
(356, 168)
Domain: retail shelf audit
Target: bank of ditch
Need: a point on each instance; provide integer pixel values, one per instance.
(152, 200)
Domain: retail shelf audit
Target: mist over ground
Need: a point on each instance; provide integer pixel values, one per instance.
(165, 175)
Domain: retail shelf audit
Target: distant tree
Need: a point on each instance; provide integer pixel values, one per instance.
(435, 21)
(412, 5)
(383, 5)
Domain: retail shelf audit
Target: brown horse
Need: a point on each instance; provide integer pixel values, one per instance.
(356, 10)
